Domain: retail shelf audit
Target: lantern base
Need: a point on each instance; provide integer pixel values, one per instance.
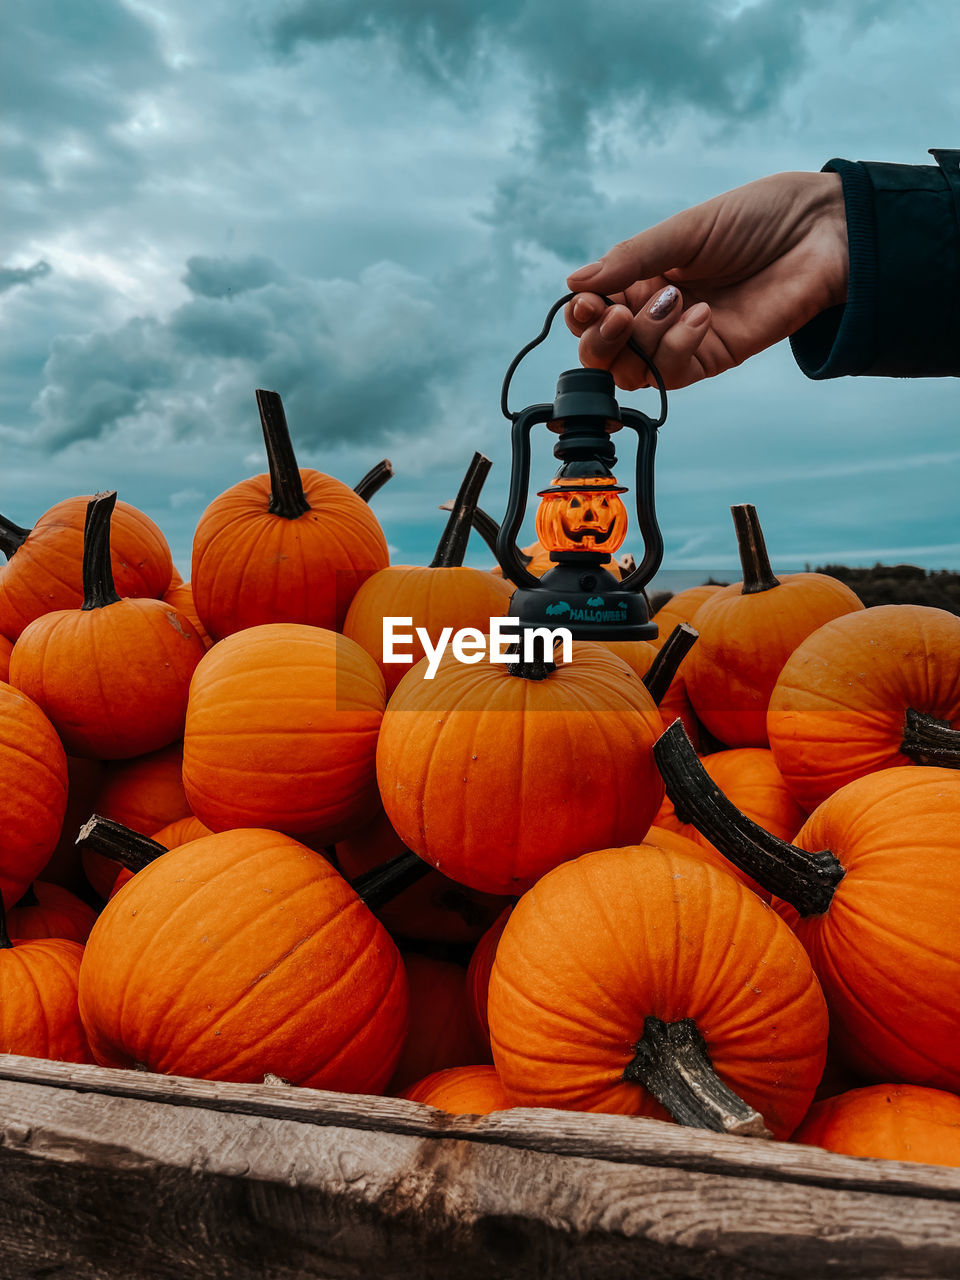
(587, 600)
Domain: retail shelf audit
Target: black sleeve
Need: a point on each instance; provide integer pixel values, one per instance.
(902, 314)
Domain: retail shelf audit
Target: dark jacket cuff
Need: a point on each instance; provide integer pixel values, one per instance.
(902, 314)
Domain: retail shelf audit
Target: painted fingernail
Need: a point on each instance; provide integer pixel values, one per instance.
(614, 324)
(663, 303)
(585, 273)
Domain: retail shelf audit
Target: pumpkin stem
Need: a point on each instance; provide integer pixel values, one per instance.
(286, 487)
(806, 880)
(5, 943)
(927, 740)
(453, 544)
(538, 668)
(114, 840)
(98, 588)
(381, 885)
(667, 662)
(374, 480)
(487, 528)
(672, 1062)
(29, 898)
(12, 536)
(757, 574)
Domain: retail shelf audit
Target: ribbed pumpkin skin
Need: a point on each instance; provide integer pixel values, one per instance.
(171, 836)
(671, 841)
(281, 732)
(750, 779)
(144, 793)
(639, 656)
(600, 944)
(241, 954)
(887, 1122)
(887, 950)
(435, 909)
(6, 648)
(440, 1033)
(58, 914)
(39, 1017)
(113, 680)
(680, 608)
(251, 567)
(33, 791)
(745, 641)
(44, 575)
(478, 974)
(434, 598)
(839, 707)
(462, 1091)
(180, 595)
(494, 779)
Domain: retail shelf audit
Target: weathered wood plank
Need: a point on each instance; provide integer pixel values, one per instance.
(94, 1187)
(631, 1140)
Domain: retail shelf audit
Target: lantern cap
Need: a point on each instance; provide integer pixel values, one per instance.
(587, 393)
(576, 477)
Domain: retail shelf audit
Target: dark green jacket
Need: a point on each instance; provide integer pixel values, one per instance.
(902, 314)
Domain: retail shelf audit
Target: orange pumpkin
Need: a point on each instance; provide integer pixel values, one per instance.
(6, 648)
(244, 954)
(478, 974)
(440, 1033)
(112, 675)
(747, 633)
(44, 570)
(33, 791)
(860, 695)
(291, 546)
(887, 1122)
(462, 1091)
(180, 595)
(441, 596)
(483, 770)
(638, 982)
(680, 608)
(50, 911)
(871, 887)
(171, 836)
(435, 909)
(281, 732)
(39, 1017)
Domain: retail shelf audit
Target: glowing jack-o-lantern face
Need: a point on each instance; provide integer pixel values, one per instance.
(582, 515)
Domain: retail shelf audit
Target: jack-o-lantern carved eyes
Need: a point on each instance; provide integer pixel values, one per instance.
(582, 521)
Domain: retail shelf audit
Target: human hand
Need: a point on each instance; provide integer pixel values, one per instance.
(714, 284)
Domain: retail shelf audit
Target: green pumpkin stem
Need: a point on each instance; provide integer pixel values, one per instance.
(12, 536)
(374, 480)
(806, 880)
(29, 898)
(757, 574)
(488, 529)
(666, 664)
(452, 546)
(113, 840)
(381, 885)
(98, 588)
(286, 488)
(671, 1061)
(927, 740)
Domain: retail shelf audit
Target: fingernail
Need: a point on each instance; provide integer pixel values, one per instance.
(582, 311)
(663, 303)
(614, 325)
(699, 314)
(585, 273)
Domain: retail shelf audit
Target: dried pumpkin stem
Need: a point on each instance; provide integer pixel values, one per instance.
(5, 943)
(381, 885)
(666, 664)
(114, 840)
(12, 536)
(757, 574)
(29, 898)
(98, 588)
(286, 488)
(452, 546)
(672, 1062)
(488, 530)
(374, 480)
(806, 880)
(927, 740)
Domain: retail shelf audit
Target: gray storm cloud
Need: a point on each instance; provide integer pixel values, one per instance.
(10, 277)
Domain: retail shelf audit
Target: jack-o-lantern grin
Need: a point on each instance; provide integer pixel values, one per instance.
(591, 517)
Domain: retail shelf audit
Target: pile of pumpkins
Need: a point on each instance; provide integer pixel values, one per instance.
(714, 880)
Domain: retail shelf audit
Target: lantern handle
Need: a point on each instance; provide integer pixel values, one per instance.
(634, 347)
(507, 552)
(646, 430)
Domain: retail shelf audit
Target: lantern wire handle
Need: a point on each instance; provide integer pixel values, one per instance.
(634, 347)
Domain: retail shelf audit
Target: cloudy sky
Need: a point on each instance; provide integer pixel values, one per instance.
(370, 207)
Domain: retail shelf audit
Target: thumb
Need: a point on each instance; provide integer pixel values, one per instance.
(671, 243)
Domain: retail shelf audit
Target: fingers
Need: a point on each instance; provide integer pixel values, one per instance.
(669, 244)
(675, 353)
(603, 342)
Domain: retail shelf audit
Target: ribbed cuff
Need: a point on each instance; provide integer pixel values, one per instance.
(842, 340)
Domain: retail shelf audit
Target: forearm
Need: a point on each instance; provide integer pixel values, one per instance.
(902, 313)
